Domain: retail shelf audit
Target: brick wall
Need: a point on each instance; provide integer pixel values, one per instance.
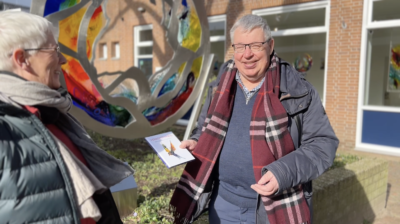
(343, 69)
(351, 194)
(343, 53)
(124, 16)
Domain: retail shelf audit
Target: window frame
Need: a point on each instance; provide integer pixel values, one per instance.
(103, 48)
(215, 19)
(367, 25)
(219, 38)
(114, 50)
(138, 43)
(303, 31)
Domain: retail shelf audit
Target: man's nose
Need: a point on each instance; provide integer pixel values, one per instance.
(247, 51)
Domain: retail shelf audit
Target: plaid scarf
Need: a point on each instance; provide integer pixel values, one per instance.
(269, 138)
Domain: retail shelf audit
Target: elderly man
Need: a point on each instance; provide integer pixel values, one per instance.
(263, 137)
(50, 169)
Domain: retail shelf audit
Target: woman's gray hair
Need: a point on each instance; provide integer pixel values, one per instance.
(251, 22)
(21, 30)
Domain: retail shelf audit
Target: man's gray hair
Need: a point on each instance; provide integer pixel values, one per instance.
(251, 22)
(21, 30)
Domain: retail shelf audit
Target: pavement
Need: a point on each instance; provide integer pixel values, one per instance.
(391, 213)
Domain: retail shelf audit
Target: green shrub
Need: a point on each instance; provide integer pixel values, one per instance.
(342, 160)
(156, 183)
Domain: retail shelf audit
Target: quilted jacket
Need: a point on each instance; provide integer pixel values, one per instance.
(35, 186)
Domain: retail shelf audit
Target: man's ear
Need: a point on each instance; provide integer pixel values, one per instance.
(19, 59)
(271, 46)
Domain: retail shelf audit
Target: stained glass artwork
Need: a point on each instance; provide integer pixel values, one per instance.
(156, 115)
(394, 69)
(303, 63)
(78, 83)
(130, 104)
(58, 5)
(189, 27)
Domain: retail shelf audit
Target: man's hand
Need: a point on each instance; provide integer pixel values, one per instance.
(189, 144)
(267, 185)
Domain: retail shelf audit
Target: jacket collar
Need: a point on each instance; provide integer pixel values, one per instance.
(295, 91)
(8, 109)
(292, 82)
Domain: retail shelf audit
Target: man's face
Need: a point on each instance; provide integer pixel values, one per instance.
(252, 65)
(45, 65)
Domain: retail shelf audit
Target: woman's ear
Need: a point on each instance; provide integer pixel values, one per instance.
(19, 59)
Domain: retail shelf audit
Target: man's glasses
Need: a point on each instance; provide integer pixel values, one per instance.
(56, 49)
(254, 47)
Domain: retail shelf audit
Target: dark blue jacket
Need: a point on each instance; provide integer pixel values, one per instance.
(316, 149)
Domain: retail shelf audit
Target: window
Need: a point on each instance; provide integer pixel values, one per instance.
(382, 87)
(103, 51)
(385, 10)
(143, 43)
(300, 33)
(217, 26)
(382, 73)
(115, 51)
(379, 107)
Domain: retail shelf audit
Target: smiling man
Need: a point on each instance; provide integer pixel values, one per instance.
(262, 137)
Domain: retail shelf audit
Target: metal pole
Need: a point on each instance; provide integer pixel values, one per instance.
(197, 105)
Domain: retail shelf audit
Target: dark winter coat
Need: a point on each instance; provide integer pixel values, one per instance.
(35, 186)
(316, 149)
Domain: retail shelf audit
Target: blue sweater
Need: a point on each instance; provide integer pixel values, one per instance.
(235, 162)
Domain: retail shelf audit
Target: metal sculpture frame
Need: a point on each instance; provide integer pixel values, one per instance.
(139, 126)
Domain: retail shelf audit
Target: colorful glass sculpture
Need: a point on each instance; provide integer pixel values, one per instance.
(395, 57)
(303, 63)
(127, 104)
(394, 69)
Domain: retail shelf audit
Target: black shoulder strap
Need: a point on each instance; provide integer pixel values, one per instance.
(299, 127)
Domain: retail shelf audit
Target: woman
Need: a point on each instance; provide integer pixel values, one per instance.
(50, 169)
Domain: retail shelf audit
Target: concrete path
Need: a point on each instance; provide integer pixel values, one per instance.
(390, 214)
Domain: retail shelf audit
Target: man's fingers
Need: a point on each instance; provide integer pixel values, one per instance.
(267, 185)
(265, 190)
(183, 145)
(266, 178)
(192, 145)
(189, 144)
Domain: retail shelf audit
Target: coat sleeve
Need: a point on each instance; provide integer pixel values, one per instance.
(316, 153)
(202, 117)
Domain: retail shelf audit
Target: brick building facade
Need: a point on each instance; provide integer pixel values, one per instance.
(337, 30)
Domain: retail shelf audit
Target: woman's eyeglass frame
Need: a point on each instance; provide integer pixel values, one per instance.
(56, 49)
